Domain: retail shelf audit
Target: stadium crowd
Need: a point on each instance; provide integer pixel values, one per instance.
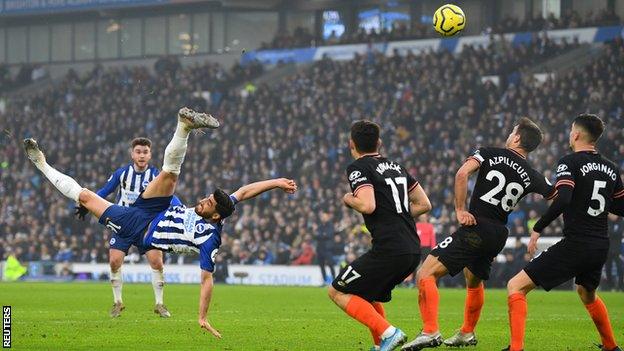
(302, 37)
(435, 110)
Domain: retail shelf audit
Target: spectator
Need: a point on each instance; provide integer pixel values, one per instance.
(324, 241)
(616, 257)
(64, 254)
(305, 254)
(426, 233)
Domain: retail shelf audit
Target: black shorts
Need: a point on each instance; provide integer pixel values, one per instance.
(566, 260)
(473, 247)
(373, 276)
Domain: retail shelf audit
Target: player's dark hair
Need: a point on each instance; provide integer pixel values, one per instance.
(530, 134)
(141, 141)
(590, 123)
(365, 135)
(225, 205)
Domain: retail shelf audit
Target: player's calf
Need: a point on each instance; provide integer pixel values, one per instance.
(63, 183)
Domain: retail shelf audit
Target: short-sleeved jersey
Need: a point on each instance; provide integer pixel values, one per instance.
(179, 229)
(596, 182)
(391, 225)
(129, 182)
(504, 178)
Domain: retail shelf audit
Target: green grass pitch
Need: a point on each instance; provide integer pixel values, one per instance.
(75, 317)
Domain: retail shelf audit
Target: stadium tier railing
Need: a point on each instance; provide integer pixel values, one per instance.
(454, 45)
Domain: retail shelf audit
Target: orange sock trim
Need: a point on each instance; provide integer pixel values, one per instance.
(428, 300)
(517, 318)
(598, 312)
(378, 306)
(472, 309)
(362, 311)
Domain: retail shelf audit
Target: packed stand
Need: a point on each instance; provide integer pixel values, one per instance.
(569, 19)
(434, 110)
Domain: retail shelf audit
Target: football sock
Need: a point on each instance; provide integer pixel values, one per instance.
(64, 183)
(158, 283)
(362, 311)
(378, 306)
(472, 309)
(116, 282)
(176, 150)
(598, 312)
(428, 300)
(388, 333)
(517, 317)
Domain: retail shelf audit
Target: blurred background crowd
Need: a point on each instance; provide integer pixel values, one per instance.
(302, 37)
(434, 109)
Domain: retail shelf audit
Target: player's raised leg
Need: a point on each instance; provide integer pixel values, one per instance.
(598, 313)
(365, 313)
(472, 310)
(64, 183)
(428, 299)
(155, 259)
(164, 184)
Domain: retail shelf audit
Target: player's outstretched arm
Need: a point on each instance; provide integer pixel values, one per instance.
(461, 191)
(419, 202)
(204, 301)
(254, 189)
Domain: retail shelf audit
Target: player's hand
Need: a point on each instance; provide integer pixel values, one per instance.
(205, 325)
(288, 185)
(81, 212)
(466, 218)
(532, 247)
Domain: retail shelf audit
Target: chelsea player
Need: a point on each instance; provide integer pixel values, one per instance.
(153, 221)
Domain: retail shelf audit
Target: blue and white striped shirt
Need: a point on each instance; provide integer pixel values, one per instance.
(179, 229)
(130, 183)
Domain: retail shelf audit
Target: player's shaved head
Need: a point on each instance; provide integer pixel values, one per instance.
(365, 136)
(530, 134)
(590, 126)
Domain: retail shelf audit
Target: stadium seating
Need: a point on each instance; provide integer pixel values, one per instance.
(301, 37)
(434, 110)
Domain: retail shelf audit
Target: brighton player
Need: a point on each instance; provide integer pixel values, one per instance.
(504, 177)
(156, 219)
(589, 186)
(129, 182)
(389, 199)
